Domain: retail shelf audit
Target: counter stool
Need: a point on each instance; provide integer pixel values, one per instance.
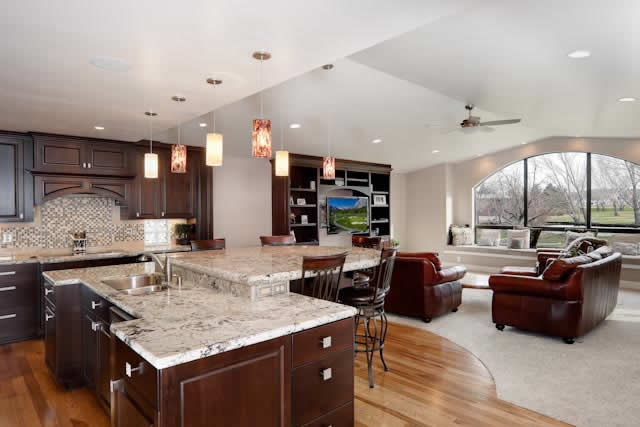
(370, 304)
(326, 272)
(362, 278)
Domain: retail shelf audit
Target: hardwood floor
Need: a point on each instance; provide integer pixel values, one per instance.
(431, 382)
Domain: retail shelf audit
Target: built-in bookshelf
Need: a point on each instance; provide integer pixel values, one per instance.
(299, 193)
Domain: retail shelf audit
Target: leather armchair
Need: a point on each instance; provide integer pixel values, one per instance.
(421, 287)
(568, 300)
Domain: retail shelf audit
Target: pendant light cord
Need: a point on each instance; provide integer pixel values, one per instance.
(150, 134)
(213, 112)
(261, 100)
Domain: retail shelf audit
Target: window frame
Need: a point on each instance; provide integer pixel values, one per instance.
(588, 225)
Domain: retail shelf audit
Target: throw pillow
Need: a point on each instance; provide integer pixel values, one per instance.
(626, 248)
(560, 268)
(573, 235)
(518, 234)
(489, 237)
(461, 235)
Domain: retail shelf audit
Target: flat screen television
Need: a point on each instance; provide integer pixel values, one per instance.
(347, 215)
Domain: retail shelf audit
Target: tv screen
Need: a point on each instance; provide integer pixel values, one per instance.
(348, 214)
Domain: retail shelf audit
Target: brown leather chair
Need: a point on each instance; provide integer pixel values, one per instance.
(366, 242)
(421, 287)
(285, 240)
(571, 297)
(207, 245)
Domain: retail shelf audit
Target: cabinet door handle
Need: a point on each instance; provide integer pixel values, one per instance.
(129, 370)
(8, 288)
(7, 273)
(326, 374)
(21, 215)
(137, 214)
(8, 316)
(48, 317)
(96, 326)
(161, 213)
(95, 305)
(89, 165)
(47, 291)
(84, 165)
(326, 342)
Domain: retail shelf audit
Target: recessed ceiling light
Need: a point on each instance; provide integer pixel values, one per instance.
(523, 143)
(98, 127)
(579, 54)
(295, 125)
(203, 125)
(376, 141)
(327, 67)
(178, 98)
(110, 64)
(627, 99)
(435, 151)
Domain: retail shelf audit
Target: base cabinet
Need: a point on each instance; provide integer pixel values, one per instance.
(255, 385)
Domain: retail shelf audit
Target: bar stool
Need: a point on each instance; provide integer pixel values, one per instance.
(370, 304)
(326, 272)
(207, 245)
(363, 277)
(284, 240)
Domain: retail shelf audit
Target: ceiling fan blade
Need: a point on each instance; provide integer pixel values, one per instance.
(500, 122)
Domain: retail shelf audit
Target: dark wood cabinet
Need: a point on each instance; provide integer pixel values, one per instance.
(103, 368)
(181, 189)
(61, 154)
(125, 411)
(50, 338)
(145, 193)
(16, 192)
(18, 302)
(89, 348)
(49, 187)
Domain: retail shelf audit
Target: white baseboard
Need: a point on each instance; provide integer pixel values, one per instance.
(629, 284)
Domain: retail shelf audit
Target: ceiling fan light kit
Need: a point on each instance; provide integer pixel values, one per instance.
(474, 121)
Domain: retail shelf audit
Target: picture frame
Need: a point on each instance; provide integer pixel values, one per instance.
(312, 185)
(379, 199)
(304, 219)
(291, 201)
(301, 201)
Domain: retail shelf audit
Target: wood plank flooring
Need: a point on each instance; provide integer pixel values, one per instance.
(431, 382)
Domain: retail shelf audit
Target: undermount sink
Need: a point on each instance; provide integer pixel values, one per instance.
(138, 284)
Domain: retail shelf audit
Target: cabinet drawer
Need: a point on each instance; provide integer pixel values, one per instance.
(142, 376)
(94, 304)
(16, 295)
(17, 323)
(341, 417)
(21, 274)
(316, 343)
(315, 394)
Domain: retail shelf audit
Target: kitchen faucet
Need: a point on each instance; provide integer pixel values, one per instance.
(165, 268)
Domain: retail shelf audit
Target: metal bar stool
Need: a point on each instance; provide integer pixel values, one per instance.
(207, 245)
(284, 240)
(370, 304)
(363, 277)
(324, 273)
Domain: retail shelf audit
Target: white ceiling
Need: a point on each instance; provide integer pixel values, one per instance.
(48, 84)
(410, 67)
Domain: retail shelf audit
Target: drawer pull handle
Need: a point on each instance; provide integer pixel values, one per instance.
(47, 291)
(7, 273)
(96, 326)
(326, 374)
(7, 316)
(95, 305)
(8, 288)
(48, 317)
(326, 342)
(129, 370)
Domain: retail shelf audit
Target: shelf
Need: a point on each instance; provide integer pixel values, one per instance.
(379, 206)
(311, 224)
(305, 190)
(379, 192)
(358, 179)
(304, 206)
(380, 221)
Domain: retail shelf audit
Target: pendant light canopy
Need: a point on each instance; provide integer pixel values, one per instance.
(179, 157)
(261, 134)
(151, 158)
(214, 140)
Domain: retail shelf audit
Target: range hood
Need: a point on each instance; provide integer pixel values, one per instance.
(49, 187)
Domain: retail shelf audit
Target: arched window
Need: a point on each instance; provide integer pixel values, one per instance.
(563, 190)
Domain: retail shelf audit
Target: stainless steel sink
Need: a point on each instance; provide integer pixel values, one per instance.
(138, 284)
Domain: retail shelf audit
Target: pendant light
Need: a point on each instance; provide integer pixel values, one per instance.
(261, 133)
(214, 140)
(328, 162)
(179, 156)
(151, 158)
(282, 156)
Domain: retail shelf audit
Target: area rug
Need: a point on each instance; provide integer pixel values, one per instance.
(592, 383)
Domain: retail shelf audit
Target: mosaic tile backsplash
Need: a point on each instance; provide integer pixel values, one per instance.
(98, 216)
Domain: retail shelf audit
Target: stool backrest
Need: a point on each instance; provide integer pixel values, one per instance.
(384, 271)
(326, 272)
(285, 240)
(366, 242)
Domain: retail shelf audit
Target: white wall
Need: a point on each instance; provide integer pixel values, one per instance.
(399, 209)
(242, 200)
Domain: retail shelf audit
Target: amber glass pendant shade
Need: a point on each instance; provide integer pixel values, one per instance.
(261, 138)
(282, 163)
(178, 159)
(329, 167)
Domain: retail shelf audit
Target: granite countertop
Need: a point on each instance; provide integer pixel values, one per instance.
(180, 325)
(50, 256)
(259, 265)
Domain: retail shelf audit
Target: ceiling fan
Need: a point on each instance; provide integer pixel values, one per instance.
(474, 121)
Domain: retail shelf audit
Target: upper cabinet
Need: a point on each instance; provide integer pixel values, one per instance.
(180, 193)
(56, 154)
(16, 191)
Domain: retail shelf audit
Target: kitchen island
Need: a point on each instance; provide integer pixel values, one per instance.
(217, 352)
